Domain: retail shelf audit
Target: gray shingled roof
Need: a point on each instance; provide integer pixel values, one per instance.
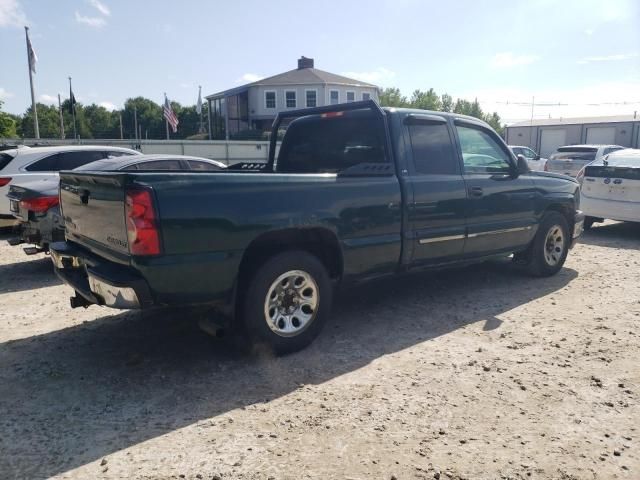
(302, 76)
(575, 120)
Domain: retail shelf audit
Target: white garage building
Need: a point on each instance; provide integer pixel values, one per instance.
(544, 136)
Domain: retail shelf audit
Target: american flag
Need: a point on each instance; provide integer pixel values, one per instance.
(169, 116)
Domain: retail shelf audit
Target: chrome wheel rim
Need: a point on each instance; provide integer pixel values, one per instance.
(291, 303)
(554, 246)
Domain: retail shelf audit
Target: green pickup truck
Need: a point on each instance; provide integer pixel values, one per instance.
(355, 192)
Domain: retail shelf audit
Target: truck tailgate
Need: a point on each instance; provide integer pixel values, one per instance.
(94, 212)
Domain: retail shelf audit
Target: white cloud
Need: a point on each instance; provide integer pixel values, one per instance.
(508, 59)
(250, 77)
(598, 99)
(608, 58)
(186, 85)
(101, 7)
(4, 94)
(95, 22)
(11, 14)
(379, 76)
(589, 31)
(108, 105)
(49, 99)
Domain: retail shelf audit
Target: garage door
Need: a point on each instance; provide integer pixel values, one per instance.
(550, 140)
(601, 135)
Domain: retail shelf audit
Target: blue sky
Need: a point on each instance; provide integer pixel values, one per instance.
(574, 52)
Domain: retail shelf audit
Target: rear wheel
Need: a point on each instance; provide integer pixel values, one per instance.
(287, 302)
(548, 250)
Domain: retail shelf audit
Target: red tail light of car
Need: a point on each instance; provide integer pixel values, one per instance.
(4, 181)
(142, 222)
(40, 204)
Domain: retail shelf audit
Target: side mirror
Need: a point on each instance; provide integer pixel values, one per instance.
(537, 157)
(523, 166)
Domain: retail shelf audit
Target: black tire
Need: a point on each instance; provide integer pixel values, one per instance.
(254, 327)
(588, 222)
(542, 258)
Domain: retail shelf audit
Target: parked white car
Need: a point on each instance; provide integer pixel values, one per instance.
(610, 188)
(534, 160)
(39, 163)
(569, 160)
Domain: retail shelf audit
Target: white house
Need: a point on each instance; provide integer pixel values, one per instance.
(254, 106)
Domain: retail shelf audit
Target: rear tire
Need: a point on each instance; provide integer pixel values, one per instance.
(286, 304)
(548, 250)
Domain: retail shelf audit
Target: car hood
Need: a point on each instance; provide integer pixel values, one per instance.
(553, 175)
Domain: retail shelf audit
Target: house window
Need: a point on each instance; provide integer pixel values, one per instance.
(290, 97)
(270, 99)
(312, 98)
(334, 97)
(351, 96)
(366, 96)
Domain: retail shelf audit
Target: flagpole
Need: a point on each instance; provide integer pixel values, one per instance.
(200, 103)
(36, 129)
(166, 122)
(73, 109)
(61, 119)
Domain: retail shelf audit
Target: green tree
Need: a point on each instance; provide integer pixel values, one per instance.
(446, 102)
(48, 122)
(493, 119)
(428, 100)
(101, 122)
(8, 124)
(150, 118)
(391, 97)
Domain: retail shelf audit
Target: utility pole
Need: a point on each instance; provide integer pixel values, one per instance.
(72, 101)
(533, 102)
(120, 115)
(200, 108)
(135, 122)
(61, 119)
(31, 65)
(140, 132)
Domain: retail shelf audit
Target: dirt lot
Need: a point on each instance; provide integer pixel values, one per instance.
(475, 373)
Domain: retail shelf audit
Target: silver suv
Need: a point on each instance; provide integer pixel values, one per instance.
(569, 160)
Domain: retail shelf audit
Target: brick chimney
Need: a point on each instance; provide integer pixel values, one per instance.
(304, 62)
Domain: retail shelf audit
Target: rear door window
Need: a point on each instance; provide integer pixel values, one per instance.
(116, 153)
(71, 160)
(432, 148)
(331, 145)
(203, 166)
(161, 165)
(46, 164)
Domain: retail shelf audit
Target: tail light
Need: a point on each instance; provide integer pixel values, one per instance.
(142, 222)
(580, 176)
(546, 166)
(4, 181)
(40, 204)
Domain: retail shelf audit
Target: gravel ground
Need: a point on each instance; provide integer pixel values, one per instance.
(477, 373)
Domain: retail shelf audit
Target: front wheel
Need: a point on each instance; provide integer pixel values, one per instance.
(548, 250)
(287, 302)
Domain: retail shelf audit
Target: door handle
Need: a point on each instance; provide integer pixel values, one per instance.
(475, 191)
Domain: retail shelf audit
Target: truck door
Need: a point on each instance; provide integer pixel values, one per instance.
(500, 204)
(436, 213)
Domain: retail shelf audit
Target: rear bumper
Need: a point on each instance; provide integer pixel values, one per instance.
(578, 227)
(98, 281)
(611, 209)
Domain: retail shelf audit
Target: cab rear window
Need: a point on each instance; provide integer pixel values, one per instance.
(331, 145)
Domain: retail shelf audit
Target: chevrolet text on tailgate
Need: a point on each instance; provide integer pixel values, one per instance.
(356, 192)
